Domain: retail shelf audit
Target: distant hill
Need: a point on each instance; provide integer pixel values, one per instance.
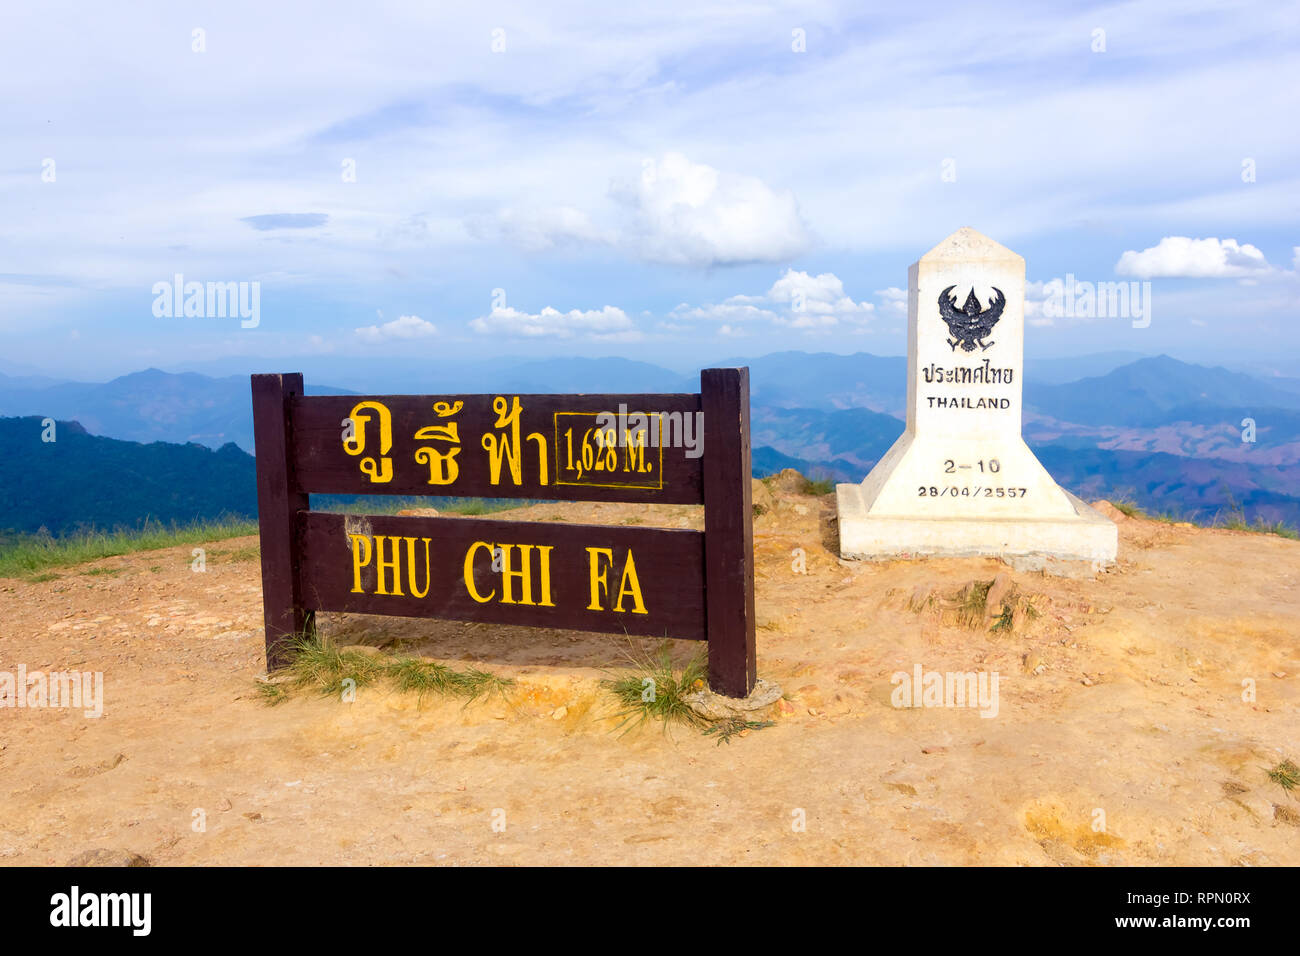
(1153, 391)
(82, 480)
(149, 406)
(1135, 427)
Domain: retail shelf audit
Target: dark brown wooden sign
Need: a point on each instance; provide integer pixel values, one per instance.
(667, 448)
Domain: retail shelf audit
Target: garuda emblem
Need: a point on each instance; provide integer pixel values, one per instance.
(970, 324)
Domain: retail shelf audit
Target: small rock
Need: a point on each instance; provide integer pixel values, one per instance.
(559, 713)
(997, 595)
(224, 806)
(103, 857)
(934, 749)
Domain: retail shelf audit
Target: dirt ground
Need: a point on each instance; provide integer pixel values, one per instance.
(1123, 735)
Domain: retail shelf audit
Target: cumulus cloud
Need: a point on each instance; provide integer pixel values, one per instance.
(609, 322)
(686, 213)
(677, 212)
(1180, 257)
(894, 301)
(797, 300)
(402, 328)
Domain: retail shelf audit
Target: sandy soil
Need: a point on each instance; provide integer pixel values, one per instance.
(1124, 697)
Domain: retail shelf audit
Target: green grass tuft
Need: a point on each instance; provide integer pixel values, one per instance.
(654, 689)
(971, 601)
(818, 486)
(323, 667)
(1129, 507)
(726, 729)
(29, 553)
(320, 665)
(1286, 775)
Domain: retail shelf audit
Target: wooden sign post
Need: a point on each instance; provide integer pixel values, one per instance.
(665, 448)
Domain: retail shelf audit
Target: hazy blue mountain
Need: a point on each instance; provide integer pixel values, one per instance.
(1057, 371)
(1147, 392)
(1132, 428)
(82, 480)
(852, 437)
(1162, 484)
(824, 380)
(17, 380)
(429, 377)
(150, 406)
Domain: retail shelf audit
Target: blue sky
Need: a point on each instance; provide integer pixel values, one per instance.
(660, 182)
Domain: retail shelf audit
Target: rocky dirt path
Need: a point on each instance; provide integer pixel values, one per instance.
(1121, 733)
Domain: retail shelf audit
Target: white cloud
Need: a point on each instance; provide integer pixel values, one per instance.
(729, 311)
(678, 212)
(894, 299)
(688, 213)
(797, 300)
(609, 322)
(1183, 258)
(403, 327)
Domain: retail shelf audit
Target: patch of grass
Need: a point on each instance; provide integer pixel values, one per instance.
(42, 578)
(1004, 621)
(655, 689)
(1129, 507)
(970, 603)
(818, 486)
(726, 729)
(1286, 775)
(100, 571)
(27, 554)
(251, 553)
(423, 677)
(323, 667)
(272, 694)
(1236, 521)
(759, 510)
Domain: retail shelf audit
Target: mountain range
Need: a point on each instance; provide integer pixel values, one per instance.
(1166, 433)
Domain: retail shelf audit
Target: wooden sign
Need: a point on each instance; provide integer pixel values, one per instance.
(668, 448)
